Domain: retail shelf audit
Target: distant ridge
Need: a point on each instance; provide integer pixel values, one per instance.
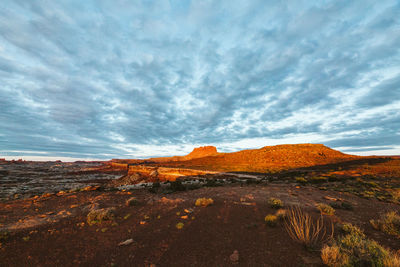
(265, 158)
(258, 160)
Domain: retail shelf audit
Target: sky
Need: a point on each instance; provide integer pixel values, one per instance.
(134, 79)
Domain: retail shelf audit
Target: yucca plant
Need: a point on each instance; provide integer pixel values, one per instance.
(304, 229)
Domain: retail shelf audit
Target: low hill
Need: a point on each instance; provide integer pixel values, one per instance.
(266, 158)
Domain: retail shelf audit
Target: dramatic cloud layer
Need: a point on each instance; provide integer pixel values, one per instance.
(105, 79)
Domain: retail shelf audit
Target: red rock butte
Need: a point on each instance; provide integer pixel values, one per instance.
(252, 160)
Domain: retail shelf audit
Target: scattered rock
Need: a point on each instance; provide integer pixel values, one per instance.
(90, 188)
(204, 202)
(126, 242)
(165, 200)
(234, 257)
(332, 198)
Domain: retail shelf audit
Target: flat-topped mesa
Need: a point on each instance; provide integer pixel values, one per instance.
(203, 151)
(267, 158)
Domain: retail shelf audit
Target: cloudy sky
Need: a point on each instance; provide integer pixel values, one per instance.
(133, 79)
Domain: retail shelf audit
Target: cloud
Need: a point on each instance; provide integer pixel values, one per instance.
(106, 79)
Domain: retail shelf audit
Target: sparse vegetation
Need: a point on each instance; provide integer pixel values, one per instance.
(388, 223)
(179, 225)
(275, 203)
(332, 256)
(354, 249)
(301, 180)
(271, 220)
(100, 215)
(304, 229)
(204, 202)
(395, 194)
(348, 228)
(325, 209)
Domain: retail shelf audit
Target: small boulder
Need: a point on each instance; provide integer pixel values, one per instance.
(204, 202)
(234, 257)
(126, 242)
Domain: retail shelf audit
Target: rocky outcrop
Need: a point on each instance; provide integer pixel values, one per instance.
(141, 173)
(119, 166)
(203, 151)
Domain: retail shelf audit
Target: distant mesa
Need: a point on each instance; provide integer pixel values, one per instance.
(266, 158)
(252, 160)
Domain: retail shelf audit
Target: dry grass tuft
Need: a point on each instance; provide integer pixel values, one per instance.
(325, 209)
(388, 223)
(304, 229)
(392, 261)
(271, 220)
(332, 256)
(275, 203)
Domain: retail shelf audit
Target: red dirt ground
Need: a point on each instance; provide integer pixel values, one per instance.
(234, 222)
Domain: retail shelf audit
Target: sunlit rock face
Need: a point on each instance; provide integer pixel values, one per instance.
(203, 151)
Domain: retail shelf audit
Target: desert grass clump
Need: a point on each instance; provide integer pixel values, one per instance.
(354, 249)
(271, 220)
(332, 256)
(395, 194)
(100, 215)
(388, 223)
(393, 261)
(348, 228)
(204, 202)
(275, 203)
(325, 209)
(304, 229)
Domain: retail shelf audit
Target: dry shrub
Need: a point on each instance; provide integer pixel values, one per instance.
(100, 215)
(304, 229)
(388, 223)
(392, 261)
(355, 249)
(395, 194)
(271, 220)
(275, 203)
(332, 256)
(325, 209)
